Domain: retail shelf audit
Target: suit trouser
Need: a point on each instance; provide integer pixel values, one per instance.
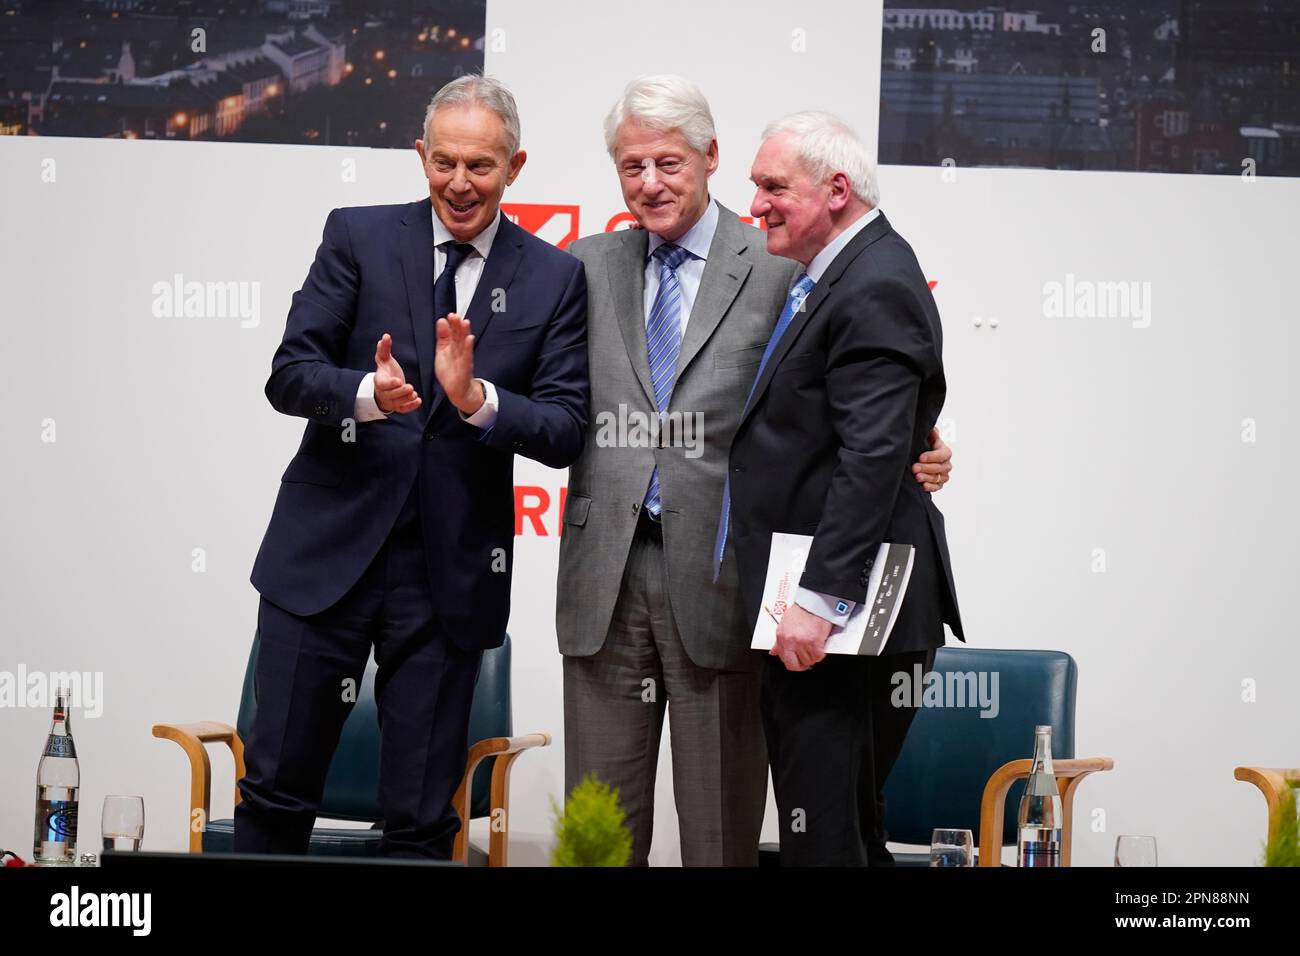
(424, 687)
(833, 735)
(614, 706)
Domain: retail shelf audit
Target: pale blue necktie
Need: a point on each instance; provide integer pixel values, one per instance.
(663, 336)
(793, 304)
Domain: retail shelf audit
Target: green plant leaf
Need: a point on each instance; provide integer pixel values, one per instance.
(590, 830)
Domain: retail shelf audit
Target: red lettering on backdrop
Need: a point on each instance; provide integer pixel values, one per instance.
(534, 502)
(558, 225)
(617, 219)
(532, 511)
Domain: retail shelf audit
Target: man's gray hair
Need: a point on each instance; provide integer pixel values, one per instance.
(475, 90)
(826, 145)
(665, 102)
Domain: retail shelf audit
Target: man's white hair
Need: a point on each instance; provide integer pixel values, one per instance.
(475, 90)
(826, 145)
(665, 102)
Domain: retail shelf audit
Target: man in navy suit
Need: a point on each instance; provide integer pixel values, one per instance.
(848, 388)
(431, 343)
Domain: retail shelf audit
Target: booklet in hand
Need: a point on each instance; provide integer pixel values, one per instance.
(870, 622)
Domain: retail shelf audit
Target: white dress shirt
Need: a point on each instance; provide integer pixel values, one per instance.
(822, 261)
(827, 606)
(467, 278)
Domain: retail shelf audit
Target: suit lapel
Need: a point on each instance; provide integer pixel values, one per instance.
(503, 259)
(625, 270)
(873, 231)
(417, 270)
(724, 274)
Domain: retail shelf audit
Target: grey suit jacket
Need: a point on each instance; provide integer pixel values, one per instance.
(740, 297)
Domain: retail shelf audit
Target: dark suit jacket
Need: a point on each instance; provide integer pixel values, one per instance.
(341, 494)
(825, 447)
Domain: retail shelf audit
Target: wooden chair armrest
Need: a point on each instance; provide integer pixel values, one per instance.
(506, 750)
(192, 738)
(1273, 783)
(1069, 774)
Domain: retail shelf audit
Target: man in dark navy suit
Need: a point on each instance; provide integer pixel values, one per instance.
(430, 344)
(847, 390)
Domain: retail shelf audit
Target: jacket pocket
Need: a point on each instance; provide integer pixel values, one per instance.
(575, 510)
(314, 470)
(739, 358)
(798, 361)
(523, 329)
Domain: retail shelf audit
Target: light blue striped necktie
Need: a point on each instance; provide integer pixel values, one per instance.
(793, 304)
(663, 336)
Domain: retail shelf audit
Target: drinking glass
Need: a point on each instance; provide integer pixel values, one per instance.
(1135, 851)
(952, 848)
(122, 822)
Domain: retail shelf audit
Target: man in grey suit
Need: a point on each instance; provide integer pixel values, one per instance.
(679, 312)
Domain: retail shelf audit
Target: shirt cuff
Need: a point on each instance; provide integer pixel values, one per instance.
(825, 606)
(486, 415)
(365, 408)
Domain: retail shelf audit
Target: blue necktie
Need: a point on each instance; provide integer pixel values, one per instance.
(663, 336)
(793, 304)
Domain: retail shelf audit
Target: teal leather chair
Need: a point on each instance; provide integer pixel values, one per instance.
(352, 785)
(961, 771)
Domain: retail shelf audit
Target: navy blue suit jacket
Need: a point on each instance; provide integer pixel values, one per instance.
(340, 498)
(826, 444)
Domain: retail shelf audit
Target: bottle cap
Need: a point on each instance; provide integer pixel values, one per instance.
(1043, 729)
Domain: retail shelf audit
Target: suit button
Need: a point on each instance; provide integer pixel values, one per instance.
(429, 436)
(519, 446)
(864, 580)
(738, 469)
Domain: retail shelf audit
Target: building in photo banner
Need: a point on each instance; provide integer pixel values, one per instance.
(1169, 86)
(329, 72)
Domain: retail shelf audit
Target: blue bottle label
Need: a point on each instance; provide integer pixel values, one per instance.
(60, 821)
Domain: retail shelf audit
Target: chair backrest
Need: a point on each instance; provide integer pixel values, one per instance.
(951, 751)
(352, 786)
